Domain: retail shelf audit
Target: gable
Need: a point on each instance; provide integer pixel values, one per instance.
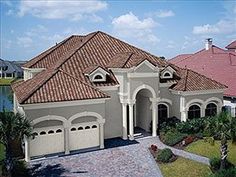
(145, 67)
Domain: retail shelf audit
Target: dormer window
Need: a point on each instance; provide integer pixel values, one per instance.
(99, 78)
(167, 73)
(96, 74)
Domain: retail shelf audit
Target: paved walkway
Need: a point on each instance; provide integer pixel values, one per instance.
(131, 160)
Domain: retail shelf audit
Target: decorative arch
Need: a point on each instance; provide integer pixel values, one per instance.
(144, 86)
(165, 100)
(214, 100)
(50, 117)
(84, 114)
(195, 101)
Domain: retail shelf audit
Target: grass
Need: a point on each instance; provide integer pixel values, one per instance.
(6, 81)
(1, 156)
(205, 149)
(184, 168)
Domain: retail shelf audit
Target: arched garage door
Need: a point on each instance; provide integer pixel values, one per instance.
(48, 140)
(84, 135)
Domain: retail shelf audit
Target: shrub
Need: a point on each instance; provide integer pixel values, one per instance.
(215, 164)
(164, 155)
(199, 135)
(173, 137)
(169, 124)
(225, 173)
(191, 126)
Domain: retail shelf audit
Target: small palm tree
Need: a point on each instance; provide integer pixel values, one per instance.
(12, 127)
(223, 127)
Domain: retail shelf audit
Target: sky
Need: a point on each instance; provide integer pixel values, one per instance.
(163, 28)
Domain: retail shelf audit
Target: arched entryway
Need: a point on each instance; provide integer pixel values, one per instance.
(142, 111)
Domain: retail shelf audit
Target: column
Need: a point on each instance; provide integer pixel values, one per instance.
(101, 126)
(154, 116)
(203, 110)
(67, 139)
(131, 121)
(27, 149)
(183, 116)
(124, 115)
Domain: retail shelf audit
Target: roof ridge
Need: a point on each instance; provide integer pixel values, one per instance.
(52, 73)
(132, 53)
(53, 48)
(82, 81)
(63, 60)
(139, 49)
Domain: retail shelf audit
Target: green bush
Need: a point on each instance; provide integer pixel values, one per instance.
(164, 155)
(169, 124)
(191, 126)
(173, 137)
(225, 173)
(215, 164)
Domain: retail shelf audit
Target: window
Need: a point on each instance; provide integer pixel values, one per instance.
(73, 129)
(167, 75)
(211, 110)
(59, 131)
(80, 128)
(50, 132)
(42, 133)
(162, 113)
(87, 127)
(97, 77)
(94, 126)
(194, 111)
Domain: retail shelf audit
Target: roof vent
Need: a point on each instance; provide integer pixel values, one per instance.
(208, 44)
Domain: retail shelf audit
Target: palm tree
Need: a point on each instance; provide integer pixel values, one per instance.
(12, 127)
(223, 127)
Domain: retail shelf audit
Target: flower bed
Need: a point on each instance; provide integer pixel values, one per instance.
(162, 155)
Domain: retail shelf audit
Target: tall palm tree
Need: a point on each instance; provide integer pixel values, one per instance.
(12, 127)
(223, 127)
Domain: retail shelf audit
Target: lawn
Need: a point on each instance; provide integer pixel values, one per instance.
(205, 149)
(6, 81)
(1, 156)
(184, 168)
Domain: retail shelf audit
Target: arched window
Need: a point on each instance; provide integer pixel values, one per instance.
(58, 131)
(94, 126)
(50, 132)
(87, 127)
(97, 77)
(167, 75)
(73, 129)
(42, 133)
(194, 111)
(80, 128)
(211, 110)
(162, 113)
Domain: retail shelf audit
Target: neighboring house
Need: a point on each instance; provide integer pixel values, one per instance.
(90, 88)
(10, 70)
(217, 64)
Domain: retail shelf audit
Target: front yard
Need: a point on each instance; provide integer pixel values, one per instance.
(184, 167)
(6, 81)
(205, 149)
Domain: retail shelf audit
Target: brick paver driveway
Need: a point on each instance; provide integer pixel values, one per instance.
(130, 160)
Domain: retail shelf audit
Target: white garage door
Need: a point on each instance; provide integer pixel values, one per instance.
(48, 140)
(84, 135)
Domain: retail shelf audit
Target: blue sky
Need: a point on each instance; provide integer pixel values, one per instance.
(164, 28)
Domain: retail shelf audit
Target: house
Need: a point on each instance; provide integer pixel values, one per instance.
(89, 88)
(215, 63)
(10, 70)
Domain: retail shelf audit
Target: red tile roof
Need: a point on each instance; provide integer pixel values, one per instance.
(215, 63)
(68, 62)
(232, 45)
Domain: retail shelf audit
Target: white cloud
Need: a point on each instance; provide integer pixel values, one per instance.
(72, 10)
(225, 25)
(24, 41)
(222, 27)
(164, 13)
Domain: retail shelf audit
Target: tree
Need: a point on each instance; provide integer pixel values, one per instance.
(223, 127)
(12, 127)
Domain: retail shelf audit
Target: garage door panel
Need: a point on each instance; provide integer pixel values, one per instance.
(84, 135)
(48, 140)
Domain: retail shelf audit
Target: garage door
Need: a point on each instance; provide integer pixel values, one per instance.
(48, 140)
(84, 135)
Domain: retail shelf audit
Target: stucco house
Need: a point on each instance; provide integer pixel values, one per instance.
(89, 88)
(215, 63)
(10, 70)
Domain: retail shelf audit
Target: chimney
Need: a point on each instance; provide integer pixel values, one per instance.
(208, 44)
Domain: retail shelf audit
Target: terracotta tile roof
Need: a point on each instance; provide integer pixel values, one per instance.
(215, 63)
(66, 63)
(232, 45)
(180, 57)
(54, 86)
(193, 81)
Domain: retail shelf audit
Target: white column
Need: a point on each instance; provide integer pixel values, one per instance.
(203, 110)
(124, 115)
(67, 140)
(101, 126)
(154, 116)
(27, 149)
(131, 121)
